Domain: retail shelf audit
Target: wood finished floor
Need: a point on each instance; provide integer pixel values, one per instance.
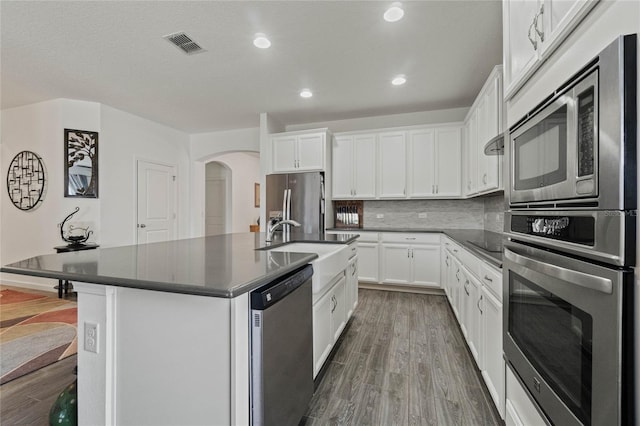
(402, 361)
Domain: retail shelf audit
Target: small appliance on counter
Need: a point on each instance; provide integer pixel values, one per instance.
(348, 214)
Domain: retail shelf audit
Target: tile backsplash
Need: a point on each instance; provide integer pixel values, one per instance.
(474, 213)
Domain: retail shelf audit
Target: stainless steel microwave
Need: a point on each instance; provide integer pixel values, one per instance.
(577, 148)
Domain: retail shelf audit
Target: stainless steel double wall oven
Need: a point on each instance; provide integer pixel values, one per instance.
(570, 245)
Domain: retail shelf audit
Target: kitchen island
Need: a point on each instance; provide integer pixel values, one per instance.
(164, 328)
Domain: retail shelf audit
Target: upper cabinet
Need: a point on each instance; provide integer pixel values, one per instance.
(415, 162)
(392, 171)
(532, 31)
(298, 151)
(484, 122)
(354, 166)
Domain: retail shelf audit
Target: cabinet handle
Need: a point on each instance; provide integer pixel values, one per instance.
(486, 277)
(407, 253)
(455, 251)
(142, 225)
(437, 189)
(410, 238)
(533, 41)
(412, 253)
(446, 261)
(540, 33)
(478, 304)
(335, 303)
(465, 287)
(484, 178)
(457, 276)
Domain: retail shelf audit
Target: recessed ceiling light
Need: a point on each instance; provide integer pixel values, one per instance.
(261, 41)
(399, 80)
(306, 93)
(394, 13)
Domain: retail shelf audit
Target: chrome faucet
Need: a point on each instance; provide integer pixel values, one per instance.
(275, 226)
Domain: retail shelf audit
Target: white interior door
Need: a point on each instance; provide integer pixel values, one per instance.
(156, 202)
(215, 209)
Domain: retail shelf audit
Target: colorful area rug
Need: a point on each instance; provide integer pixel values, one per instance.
(35, 331)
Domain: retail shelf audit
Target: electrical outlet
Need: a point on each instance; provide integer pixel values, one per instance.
(379, 216)
(91, 337)
(422, 215)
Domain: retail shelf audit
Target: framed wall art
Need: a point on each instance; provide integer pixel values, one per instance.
(80, 163)
(26, 180)
(256, 195)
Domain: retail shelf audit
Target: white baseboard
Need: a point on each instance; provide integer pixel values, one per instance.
(401, 288)
(42, 284)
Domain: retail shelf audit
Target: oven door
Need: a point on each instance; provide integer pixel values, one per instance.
(563, 333)
(553, 155)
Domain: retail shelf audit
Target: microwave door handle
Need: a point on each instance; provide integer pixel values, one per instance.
(592, 282)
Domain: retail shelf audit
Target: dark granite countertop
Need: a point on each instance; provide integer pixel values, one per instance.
(486, 244)
(219, 266)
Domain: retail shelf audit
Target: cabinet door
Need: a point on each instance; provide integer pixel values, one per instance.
(520, 52)
(342, 167)
(284, 153)
(472, 157)
(482, 139)
(396, 263)
(421, 163)
(364, 164)
(393, 159)
(493, 127)
(493, 365)
(322, 333)
(560, 17)
(368, 262)
(351, 291)
(472, 316)
(456, 283)
(426, 265)
(310, 152)
(338, 309)
(449, 156)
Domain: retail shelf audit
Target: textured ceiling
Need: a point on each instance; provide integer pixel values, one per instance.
(114, 53)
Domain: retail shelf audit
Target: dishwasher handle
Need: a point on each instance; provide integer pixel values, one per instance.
(278, 289)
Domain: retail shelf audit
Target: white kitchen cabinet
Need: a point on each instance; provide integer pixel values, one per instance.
(368, 262)
(392, 165)
(396, 263)
(351, 290)
(298, 151)
(434, 162)
(354, 166)
(329, 319)
(407, 258)
(456, 285)
(532, 30)
(448, 155)
(472, 315)
(483, 123)
(472, 153)
(421, 162)
(426, 265)
(445, 267)
(322, 331)
(493, 365)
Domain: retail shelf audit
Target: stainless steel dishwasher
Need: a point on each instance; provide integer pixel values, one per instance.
(282, 350)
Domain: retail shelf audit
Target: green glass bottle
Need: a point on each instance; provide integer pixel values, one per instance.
(65, 409)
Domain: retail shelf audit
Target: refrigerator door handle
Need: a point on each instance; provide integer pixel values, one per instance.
(284, 205)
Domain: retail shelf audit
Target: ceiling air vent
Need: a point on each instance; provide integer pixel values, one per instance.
(184, 43)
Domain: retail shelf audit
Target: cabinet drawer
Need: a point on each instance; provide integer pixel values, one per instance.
(411, 238)
(367, 237)
(492, 279)
(471, 262)
(521, 409)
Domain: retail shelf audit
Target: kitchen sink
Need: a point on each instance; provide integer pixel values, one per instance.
(332, 260)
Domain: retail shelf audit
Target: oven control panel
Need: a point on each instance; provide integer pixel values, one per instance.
(573, 229)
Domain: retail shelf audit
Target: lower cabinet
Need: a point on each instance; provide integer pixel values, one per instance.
(519, 409)
(368, 262)
(470, 293)
(414, 264)
(351, 290)
(329, 319)
(493, 364)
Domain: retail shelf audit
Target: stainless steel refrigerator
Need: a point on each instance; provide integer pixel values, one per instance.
(299, 197)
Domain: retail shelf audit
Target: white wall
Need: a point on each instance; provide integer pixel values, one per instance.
(383, 121)
(204, 147)
(126, 139)
(245, 173)
(40, 128)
